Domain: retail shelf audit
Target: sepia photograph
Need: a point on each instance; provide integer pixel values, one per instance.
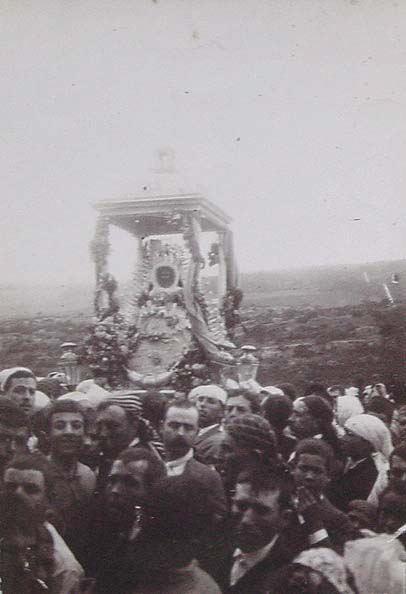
(203, 297)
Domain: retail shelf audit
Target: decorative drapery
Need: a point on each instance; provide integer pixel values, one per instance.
(200, 330)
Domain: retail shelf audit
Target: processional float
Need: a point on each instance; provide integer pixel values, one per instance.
(174, 328)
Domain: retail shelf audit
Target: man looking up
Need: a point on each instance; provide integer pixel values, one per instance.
(19, 384)
(34, 556)
(210, 401)
(14, 431)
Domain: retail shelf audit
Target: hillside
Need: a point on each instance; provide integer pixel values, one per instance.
(325, 323)
(298, 345)
(331, 286)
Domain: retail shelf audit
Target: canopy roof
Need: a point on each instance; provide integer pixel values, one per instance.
(157, 215)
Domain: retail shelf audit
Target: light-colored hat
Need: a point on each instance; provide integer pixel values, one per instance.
(41, 400)
(85, 385)
(211, 391)
(273, 391)
(329, 564)
(75, 395)
(352, 391)
(5, 374)
(78, 397)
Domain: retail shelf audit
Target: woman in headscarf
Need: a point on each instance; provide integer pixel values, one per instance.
(347, 406)
(367, 444)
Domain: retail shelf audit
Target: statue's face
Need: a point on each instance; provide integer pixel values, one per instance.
(100, 332)
(155, 359)
(165, 276)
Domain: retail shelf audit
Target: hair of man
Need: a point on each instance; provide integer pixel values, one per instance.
(252, 398)
(263, 478)
(63, 406)
(315, 447)
(155, 467)
(34, 461)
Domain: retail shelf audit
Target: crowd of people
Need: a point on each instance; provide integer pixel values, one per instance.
(241, 492)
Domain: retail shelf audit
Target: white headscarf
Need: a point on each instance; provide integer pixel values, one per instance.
(347, 407)
(376, 432)
(373, 430)
(211, 391)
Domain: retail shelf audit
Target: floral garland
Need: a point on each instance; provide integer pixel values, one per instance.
(231, 304)
(100, 246)
(191, 370)
(107, 347)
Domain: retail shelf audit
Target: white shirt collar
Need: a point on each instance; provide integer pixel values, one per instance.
(176, 467)
(352, 463)
(204, 430)
(243, 562)
(134, 442)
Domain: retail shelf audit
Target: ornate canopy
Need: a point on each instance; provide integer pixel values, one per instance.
(160, 215)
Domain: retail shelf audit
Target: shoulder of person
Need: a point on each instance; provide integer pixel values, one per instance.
(63, 556)
(84, 470)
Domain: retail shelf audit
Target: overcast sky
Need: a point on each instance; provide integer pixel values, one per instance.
(290, 115)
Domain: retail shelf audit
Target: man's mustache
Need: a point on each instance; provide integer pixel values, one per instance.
(179, 441)
(13, 512)
(71, 439)
(244, 533)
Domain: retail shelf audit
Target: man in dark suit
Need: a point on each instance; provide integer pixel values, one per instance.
(179, 431)
(267, 532)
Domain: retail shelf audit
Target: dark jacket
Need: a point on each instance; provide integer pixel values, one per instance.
(355, 483)
(337, 524)
(207, 446)
(260, 578)
(213, 547)
(210, 480)
(181, 581)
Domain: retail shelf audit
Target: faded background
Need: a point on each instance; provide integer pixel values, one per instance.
(289, 115)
